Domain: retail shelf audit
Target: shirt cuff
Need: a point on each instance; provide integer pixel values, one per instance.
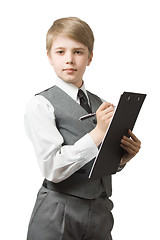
(121, 167)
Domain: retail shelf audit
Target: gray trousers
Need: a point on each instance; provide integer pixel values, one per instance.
(58, 216)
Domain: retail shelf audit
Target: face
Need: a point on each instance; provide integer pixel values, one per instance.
(69, 59)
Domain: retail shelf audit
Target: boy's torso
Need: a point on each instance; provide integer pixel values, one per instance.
(67, 113)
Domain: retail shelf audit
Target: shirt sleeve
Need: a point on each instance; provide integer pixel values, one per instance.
(56, 162)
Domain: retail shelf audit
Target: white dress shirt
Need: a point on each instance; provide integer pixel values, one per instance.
(56, 162)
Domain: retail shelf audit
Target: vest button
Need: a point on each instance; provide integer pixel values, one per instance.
(95, 121)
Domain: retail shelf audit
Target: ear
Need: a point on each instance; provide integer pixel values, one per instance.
(90, 59)
(49, 58)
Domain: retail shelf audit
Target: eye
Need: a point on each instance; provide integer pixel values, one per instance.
(78, 52)
(60, 52)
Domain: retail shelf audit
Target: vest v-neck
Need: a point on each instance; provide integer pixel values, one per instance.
(78, 107)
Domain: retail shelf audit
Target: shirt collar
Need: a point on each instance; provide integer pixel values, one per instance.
(69, 88)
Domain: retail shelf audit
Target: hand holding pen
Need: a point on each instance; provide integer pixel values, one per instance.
(104, 115)
(90, 115)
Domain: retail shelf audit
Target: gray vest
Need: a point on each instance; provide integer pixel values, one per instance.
(67, 113)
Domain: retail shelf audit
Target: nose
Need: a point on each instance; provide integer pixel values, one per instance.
(69, 58)
(69, 62)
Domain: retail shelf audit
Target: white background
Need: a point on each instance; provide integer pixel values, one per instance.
(126, 58)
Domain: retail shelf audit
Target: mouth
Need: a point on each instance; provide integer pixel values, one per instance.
(69, 70)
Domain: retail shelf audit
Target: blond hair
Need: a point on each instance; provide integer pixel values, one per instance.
(72, 27)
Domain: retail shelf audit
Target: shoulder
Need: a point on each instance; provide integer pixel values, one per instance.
(94, 96)
(37, 105)
(46, 91)
(51, 94)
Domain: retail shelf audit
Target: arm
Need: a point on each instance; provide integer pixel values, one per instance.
(56, 162)
(104, 115)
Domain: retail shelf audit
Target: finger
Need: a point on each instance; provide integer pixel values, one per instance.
(108, 116)
(104, 105)
(109, 109)
(131, 144)
(130, 151)
(133, 136)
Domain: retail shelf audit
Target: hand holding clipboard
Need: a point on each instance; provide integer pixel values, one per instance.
(110, 152)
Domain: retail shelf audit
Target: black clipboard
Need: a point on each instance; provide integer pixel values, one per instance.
(110, 152)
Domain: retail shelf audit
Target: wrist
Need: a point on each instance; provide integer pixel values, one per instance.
(97, 135)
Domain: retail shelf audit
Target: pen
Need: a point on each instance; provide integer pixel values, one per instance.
(88, 116)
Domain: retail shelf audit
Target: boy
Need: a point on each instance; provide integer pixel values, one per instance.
(70, 206)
